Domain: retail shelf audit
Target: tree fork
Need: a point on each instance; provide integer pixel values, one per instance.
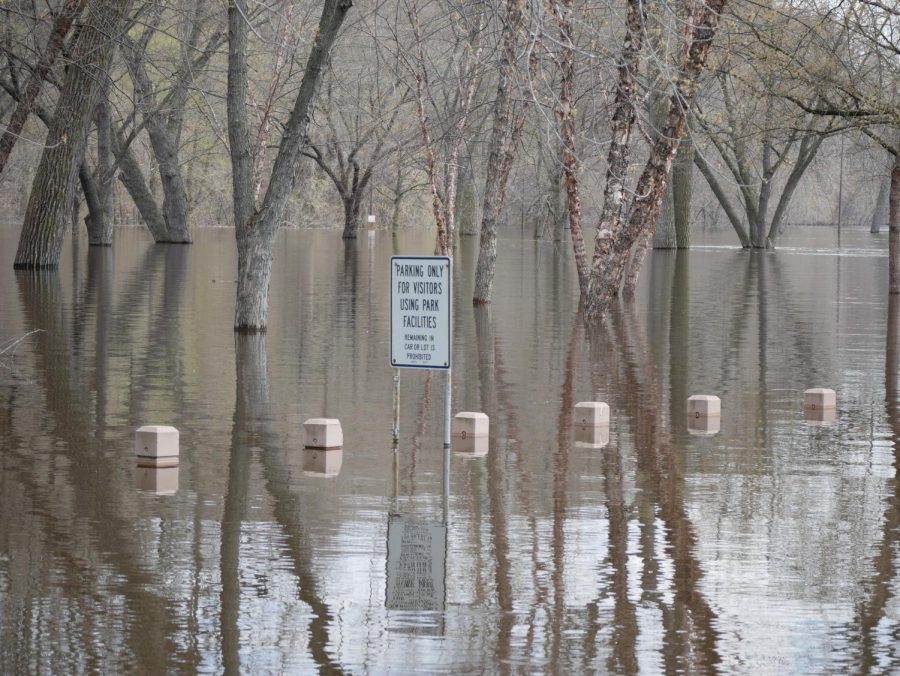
(609, 259)
(255, 229)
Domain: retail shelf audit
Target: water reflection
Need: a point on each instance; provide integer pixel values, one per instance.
(324, 463)
(591, 436)
(688, 621)
(876, 624)
(157, 480)
(254, 435)
(768, 546)
(52, 459)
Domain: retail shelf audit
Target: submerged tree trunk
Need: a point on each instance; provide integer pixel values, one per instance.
(682, 192)
(567, 118)
(882, 206)
(133, 179)
(501, 153)
(164, 143)
(98, 229)
(664, 231)
(611, 253)
(255, 230)
(894, 224)
(97, 186)
(40, 242)
(352, 204)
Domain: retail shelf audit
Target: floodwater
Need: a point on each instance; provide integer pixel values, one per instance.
(770, 546)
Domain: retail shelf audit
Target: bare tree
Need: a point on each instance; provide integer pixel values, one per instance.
(255, 228)
(629, 216)
(40, 242)
(462, 69)
(62, 25)
(506, 132)
(358, 139)
(857, 85)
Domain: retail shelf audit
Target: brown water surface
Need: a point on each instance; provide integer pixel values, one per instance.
(770, 546)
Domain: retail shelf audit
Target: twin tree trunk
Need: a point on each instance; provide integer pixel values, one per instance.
(612, 249)
(255, 229)
(46, 216)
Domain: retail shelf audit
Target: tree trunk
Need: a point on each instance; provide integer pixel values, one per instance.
(61, 27)
(682, 191)
(255, 252)
(255, 231)
(664, 232)
(729, 209)
(40, 242)
(567, 119)
(894, 229)
(636, 262)
(96, 186)
(501, 145)
(175, 202)
(164, 143)
(621, 127)
(103, 178)
(133, 179)
(882, 206)
(611, 252)
(351, 215)
(95, 221)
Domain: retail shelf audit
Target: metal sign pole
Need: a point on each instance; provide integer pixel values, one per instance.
(396, 428)
(448, 393)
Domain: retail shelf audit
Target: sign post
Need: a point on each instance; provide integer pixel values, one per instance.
(421, 318)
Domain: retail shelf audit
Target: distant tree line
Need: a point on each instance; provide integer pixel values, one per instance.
(606, 119)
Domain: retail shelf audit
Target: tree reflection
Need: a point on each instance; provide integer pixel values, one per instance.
(874, 608)
(688, 623)
(78, 461)
(254, 431)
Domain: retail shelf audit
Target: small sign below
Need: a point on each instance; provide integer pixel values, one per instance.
(421, 311)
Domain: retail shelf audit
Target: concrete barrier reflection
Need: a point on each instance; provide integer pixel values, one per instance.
(158, 480)
(323, 463)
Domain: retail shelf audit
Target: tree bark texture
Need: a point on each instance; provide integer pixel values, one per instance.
(611, 254)
(61, 27)
(96, 186)
(40, 242)
(132, 178)
(95, 221)
(501, 153)
(682, 192)
(664, 231)
(567, 118)
(621, 126)
(894, 229)
(255, 230)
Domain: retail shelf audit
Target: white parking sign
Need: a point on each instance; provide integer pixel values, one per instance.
(420, 311)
